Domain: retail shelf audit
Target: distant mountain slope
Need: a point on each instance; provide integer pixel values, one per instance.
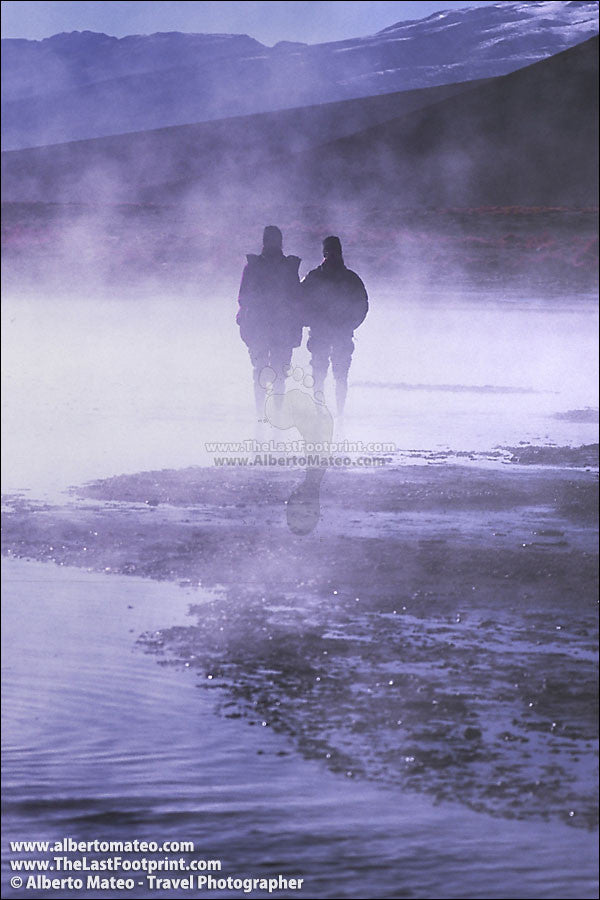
(118, 168)
(528, 138)
(81, 85)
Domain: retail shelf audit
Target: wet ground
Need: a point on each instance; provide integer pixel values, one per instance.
(437, 630)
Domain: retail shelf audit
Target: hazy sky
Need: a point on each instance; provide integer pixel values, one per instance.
(269, 22)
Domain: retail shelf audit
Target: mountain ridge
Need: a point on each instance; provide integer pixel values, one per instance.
(526, 138)
(165, 79)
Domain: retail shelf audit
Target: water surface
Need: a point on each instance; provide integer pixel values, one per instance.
(102, 742)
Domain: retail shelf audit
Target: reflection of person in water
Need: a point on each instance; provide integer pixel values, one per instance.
(269, 319)
(335, 303)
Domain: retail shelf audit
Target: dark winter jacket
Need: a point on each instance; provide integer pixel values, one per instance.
(269, 303)
(334, 298)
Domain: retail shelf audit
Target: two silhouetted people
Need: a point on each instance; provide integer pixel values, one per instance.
(274, 306)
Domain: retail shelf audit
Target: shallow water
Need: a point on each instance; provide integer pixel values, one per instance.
(103, 742)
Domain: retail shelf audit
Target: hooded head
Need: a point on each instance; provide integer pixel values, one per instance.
(332, 250)
(272, 239)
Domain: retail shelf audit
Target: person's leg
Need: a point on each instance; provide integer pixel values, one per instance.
(279, 360)
(259, 357)
(341, 392)
(319, 348)
(341, 357)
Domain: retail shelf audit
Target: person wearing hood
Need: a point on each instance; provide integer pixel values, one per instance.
(269, 313)
(335, 303)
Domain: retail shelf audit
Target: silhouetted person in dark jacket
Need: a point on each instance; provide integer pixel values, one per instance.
(335, 303)
(269, 314)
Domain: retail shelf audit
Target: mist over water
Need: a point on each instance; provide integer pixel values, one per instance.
(104, 386)
(384, 662)
(400, 700)
(107, 384)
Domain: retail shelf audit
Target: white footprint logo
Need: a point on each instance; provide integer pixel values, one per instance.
(308, 413)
